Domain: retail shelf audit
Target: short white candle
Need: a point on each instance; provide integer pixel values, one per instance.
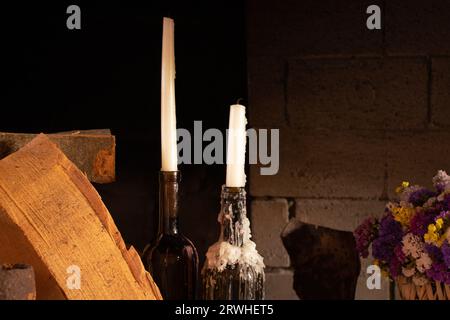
(168, 116)
(236, 147)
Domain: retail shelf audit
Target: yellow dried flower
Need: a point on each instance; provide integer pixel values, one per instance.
(433, 236)
(405, 184)
(403, 215)
(439, 223)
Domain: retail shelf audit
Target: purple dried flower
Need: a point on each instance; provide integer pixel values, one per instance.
(420, 222)
(443, 205)
(364, 235)
(446, 253)
(390, 227)
(390, 235)
(419, 197)
(434, 252)
(395, 266)
(383, 248)
(439, 272)
(443, 215)
(446, 203)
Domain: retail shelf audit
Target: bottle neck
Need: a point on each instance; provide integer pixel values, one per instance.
(232, 215)
(168, 202)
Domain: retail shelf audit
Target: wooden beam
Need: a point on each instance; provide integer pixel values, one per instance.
(52, 218)
(93, 151)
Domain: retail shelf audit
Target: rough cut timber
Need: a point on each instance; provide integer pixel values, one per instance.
(52, 218)
(93, 151)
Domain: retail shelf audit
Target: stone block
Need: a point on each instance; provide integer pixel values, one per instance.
(366, 94)
(269, 217)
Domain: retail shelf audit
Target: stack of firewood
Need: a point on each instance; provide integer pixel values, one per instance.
(52, 218)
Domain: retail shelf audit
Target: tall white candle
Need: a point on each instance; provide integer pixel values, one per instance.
(236, 147)
(168, 116)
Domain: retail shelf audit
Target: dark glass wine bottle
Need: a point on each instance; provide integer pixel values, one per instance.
(172, 259)
(233, 269)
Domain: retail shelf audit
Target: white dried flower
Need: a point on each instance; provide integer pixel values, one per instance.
(441, 180)
(391, 205)
(411, 245)
(414, 247)
(424, 262)
(408, 272)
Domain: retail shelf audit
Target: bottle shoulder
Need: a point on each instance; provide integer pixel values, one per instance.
(171, 243)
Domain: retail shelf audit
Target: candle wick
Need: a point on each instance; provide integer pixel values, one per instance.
(239, 100)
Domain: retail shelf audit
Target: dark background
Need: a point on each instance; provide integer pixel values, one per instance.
(107, 75)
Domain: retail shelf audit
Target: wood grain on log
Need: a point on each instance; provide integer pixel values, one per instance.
(52, 218)
(17, 282)
(92, 151)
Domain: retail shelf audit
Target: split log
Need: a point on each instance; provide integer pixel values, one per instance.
(17, 282)
(92, 151)
(52, 218)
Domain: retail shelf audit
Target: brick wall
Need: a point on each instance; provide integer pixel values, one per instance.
(358, 110)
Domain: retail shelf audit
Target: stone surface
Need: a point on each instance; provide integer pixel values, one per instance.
(376, 94)
(416, 157)
(266, 86)
(417, 27)
(269, 217)
(325, 164)
(440, 92)
(359, 111)
(293, 28)
(343, 215)
(326, 264)
(279, 285)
